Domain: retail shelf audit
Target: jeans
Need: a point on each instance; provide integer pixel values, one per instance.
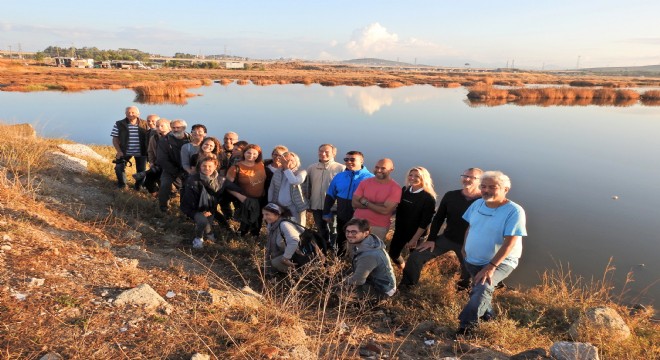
(203, 225)
(481, 295)
(165, 191)
(140, 163)
(327, 229)
(418, 259)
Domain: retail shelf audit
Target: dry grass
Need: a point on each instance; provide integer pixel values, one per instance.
(547, 96)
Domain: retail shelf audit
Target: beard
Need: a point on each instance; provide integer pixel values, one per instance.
(178, 134)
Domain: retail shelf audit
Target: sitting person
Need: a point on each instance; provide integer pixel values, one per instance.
(372, 269)
(201, 195)
(283, 239)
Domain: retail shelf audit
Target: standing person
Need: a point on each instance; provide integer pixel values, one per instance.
(152, 176)
(129, 137)
(168, 157)
(283, 239)
(372, 269)
(190, 150)
(250, 176)
(200, 198)
(319, 176)
(286, 187)
(340, 192)
(414, 213)
(375, 199)
(274, 163)
(452, 207)
(493, 245)
(228, 143)
(152, 119)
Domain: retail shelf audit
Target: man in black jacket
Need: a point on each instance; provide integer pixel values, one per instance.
(168, 158)
(129, 137)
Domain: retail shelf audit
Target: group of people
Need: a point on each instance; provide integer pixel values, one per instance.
(352, 207)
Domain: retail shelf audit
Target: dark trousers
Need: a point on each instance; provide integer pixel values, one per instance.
(166, 191)
(341, 237)
(140, 163)
(418, 259)
(152, 180)
(327, 229)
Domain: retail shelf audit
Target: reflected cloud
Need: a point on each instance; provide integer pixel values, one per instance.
(371, 99)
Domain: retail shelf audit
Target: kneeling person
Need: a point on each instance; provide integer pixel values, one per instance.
(372, 268)
(283, 239)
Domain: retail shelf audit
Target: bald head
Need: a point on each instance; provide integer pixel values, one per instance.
(383, 169)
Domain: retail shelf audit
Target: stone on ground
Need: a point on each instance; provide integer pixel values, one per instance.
(566, 350)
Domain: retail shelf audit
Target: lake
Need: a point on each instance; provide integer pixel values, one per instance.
(581, 173)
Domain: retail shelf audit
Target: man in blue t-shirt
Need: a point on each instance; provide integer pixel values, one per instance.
(493, 245)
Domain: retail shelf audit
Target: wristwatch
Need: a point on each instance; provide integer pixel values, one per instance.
(364, 202)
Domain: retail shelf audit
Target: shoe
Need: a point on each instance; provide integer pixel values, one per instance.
(463, 332)
(198, 243)
(486, 317)
(210, 237)
(139, 175)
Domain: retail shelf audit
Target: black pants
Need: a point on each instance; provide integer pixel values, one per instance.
(418, 259)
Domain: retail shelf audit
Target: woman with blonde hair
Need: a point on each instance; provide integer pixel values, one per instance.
(413, 214)
(285, 186)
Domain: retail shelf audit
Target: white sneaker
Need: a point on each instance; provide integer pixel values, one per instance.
(198, 243)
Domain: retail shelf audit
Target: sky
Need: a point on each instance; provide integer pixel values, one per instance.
(526, 34)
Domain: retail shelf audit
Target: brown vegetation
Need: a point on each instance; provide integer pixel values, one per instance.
(546, 96)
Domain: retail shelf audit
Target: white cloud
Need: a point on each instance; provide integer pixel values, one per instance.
(371, 40)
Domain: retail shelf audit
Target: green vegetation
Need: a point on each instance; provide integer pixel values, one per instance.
(94, 53)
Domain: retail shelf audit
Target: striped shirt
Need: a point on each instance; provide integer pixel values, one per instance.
(133, 148)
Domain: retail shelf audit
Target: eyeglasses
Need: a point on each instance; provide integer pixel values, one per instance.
(469, 177)
(352, 232)
(484, 214)
(276, 155)
(349, 159)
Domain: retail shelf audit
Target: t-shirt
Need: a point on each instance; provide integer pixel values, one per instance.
(133, 147)
(377, 193)
(488, 227)
(251, 179)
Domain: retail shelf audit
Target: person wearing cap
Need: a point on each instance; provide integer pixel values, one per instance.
(340, 192)
(283, 239)
(372, 269)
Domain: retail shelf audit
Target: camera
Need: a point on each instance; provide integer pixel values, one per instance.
(122, 161)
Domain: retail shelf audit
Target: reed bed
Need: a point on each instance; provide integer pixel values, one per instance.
(243, 82)
(225, 82)
(554, 96)
(391, 84)
(165, 89)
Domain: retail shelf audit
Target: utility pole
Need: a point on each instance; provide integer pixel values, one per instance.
(20, 51)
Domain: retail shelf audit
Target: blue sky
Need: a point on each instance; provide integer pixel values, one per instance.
(531, 34)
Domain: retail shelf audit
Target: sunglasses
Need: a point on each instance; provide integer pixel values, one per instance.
(347, 159)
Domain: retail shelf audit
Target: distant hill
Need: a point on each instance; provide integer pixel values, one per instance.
(377, 62)
(647, 70)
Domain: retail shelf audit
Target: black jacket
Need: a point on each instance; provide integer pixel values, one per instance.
(122, 130)
(195, 189)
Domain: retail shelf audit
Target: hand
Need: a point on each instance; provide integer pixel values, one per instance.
(288, 263)
(120, 154)
(426, 245)
(485, 275)
(206, 213)
(411, 244)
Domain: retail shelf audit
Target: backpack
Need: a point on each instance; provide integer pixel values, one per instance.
(312, 245)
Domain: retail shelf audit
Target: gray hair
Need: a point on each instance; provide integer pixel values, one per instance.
(498, 176)
(181, 122)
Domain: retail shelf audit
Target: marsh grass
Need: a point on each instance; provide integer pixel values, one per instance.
(547, 96)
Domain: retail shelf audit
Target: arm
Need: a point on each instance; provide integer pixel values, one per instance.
(363, 268)
(386, 208)
(115, 143)
(231, 174)
(293, 178)
(486, 274)
(185, 159)
(292, 237)
(151, 150)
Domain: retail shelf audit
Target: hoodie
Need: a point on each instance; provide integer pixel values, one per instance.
(372, 265)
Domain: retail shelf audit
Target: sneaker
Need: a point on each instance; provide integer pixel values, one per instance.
(139, 175)
(198, 243)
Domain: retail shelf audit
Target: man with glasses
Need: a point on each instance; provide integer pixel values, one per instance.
(376, 198)
(340, 191)
(129, 137)
(372, 269)
(451, 209)
(168, 157)
(493, 245)
(319, 176)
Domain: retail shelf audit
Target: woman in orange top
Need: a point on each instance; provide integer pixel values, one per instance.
(250, 175)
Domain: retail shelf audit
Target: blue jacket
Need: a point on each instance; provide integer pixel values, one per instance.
(341, 190)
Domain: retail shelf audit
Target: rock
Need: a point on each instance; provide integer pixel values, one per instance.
(21, 130)
(35, 281)
(599, 324)
(230, 299)
(6, 237)
(5, 247)
(145, 296)
(77, 180)
(51, 356)
(80, 150)
(67, 162)
(198, 356)
(248, 291)
(532, 354)
(566, 350)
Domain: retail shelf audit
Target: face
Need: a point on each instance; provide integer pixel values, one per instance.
(290, 163)
(237, 152)
(491, 191)
(354, 235)
(207, 168)
(198, 134)
(208, 146)
(277, 158)
(269, 217)
(353, 162)
(151, 122)
(178, 128)
(251, 155)
(163, 127)
(414, 179)
(132, 113)
(383, 169)
(229, 140)
(470, 180)
(325, 154)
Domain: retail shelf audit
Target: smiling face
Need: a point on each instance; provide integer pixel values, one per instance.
(492, 191)
(229, 140)
(163, 127)
(414, 179)
(251, 155)
(353, 162)
(197, 135)
(383, 169)
(208, 167)
(326, 153)
(470, 180)
(132, 113)
(208, 146)
(354, 235)
(269, 217)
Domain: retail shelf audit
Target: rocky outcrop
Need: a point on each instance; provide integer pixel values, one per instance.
(566, 350)
(599, 324)
(80, 150)
(67, 162)
(145, 296)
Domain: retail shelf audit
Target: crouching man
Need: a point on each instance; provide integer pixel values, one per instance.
(493, 245)
(372, 269)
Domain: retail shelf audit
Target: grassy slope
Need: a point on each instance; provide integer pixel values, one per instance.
(75, 231)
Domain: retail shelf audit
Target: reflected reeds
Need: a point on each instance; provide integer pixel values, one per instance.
(558, 96)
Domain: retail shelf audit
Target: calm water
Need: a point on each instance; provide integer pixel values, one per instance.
(566, 163)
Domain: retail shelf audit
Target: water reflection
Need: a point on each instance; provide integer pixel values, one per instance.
(371, 99)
